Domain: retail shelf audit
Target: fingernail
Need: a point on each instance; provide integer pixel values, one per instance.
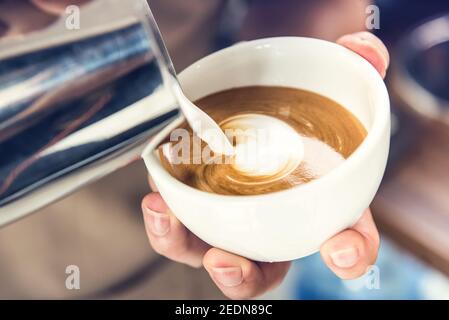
(228, 277)
(345, 258)
(159, 223)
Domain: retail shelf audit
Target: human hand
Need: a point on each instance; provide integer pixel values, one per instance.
(348, 254)
(57, 7)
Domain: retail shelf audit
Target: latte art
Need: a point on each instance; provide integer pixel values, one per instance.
(282, 137)
(264, 146)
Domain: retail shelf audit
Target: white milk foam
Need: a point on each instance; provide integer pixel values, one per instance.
(265, 146)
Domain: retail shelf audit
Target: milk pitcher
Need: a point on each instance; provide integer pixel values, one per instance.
(79, 99)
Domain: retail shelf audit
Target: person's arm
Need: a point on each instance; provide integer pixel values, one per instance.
(57, 7)
(324, 19)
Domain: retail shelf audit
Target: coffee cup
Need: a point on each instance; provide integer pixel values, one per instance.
(295, 222)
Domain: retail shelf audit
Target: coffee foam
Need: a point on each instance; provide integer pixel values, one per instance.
(264, 146)
(287, 136)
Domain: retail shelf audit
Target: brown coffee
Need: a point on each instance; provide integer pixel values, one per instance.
(329, 134)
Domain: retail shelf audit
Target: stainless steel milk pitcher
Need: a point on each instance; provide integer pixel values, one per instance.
(78, 103)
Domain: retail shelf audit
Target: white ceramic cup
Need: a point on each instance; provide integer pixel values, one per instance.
(292, 223)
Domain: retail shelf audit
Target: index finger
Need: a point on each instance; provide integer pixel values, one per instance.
(350, 253)
(369, 47)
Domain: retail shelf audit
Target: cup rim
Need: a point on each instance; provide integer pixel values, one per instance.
(374, 135)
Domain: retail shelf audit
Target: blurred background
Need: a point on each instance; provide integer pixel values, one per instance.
(100, 229)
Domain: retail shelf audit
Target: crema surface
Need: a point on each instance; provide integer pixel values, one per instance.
(282, 136)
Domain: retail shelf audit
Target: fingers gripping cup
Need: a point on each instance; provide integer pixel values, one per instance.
(282, 223)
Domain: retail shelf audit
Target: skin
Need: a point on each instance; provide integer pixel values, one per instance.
(56, 7)
(348, 254)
